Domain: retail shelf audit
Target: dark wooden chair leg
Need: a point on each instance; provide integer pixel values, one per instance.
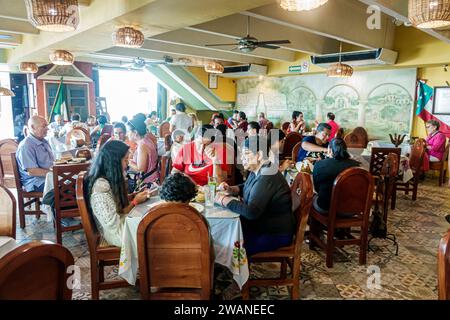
(283, 271)
(415, 186)
(95, 292)
(21, 214)
(330, 248)
(246, 291)
(101, 275)
(394, 197)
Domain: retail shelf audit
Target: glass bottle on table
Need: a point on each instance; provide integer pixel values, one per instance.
(212, 186)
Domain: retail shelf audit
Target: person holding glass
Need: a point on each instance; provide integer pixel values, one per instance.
(268, 222)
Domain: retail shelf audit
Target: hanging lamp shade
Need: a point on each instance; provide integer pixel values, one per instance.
(53, 15)
(214, 67)
(5, 92)
(339, 70)
(128, 37)
(301, 5)
(28, 67)
(429, 14)
(62, 58)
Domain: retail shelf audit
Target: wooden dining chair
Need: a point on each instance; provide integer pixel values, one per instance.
(440, 166)
(164, 129)
(444, 267)
(83, 153)
(285, 127)
(352, 193)
(102, 140)
(7, 146)
(416, 164)
(64, 182)
(378, 157)
(7, 213)
(38, 270)
(289, 143)
(101, 254)
(358, 138)
(340, 133)
(25, 200)
(79, 133)
(168, 142)
(295, 151)
(175, 253)
(302, 190)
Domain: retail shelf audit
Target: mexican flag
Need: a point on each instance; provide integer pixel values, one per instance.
(60, 104)
(425, 108)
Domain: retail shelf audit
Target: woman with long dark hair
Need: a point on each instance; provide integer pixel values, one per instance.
(298, 124)
(107, 191)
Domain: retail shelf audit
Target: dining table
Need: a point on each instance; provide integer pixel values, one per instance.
(225, 228)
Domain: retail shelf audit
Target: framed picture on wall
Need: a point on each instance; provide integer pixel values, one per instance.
(213, 80)
(441, 100)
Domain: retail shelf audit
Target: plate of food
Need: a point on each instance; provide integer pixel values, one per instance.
(200, 197)
(197, 206)
(77, 160)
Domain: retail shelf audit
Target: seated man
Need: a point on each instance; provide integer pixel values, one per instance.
(34, 156)
(315, 146)
(75, 123)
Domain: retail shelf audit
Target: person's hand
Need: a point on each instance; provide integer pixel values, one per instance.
(286, 164)
(142, 196)
(223, 187)
(210, 151)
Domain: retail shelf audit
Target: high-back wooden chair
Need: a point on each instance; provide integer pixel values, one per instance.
(101, 255)
(7, 147)
(302, 189)
(80, 134)
(269, 126)
(440, 166)
(289, 143)
(416, 164)
(295, 151)
(164, 129)
(64, 182)
(285, 127)
(175, 253)
(444, 267)
(37, 270)
(7, 213)
(168, 142)
(378, 157)
(352, 193)
(25, 199)
(358, 138)
(83, 153)
(340, 133)
(102, 140)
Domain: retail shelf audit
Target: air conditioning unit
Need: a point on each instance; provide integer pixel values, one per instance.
(380, 56)
(247, 70)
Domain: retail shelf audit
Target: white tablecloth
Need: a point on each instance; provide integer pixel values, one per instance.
(226, 233)
(48, 186)
(7, 244)
(406, 148)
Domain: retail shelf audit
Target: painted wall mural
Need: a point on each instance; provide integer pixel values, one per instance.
(380, 101)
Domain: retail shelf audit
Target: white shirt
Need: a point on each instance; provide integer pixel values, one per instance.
(181, 121)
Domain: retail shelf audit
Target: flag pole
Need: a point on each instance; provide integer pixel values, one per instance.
(418, 90)
(56, 99)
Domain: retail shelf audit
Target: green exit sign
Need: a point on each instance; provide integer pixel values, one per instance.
(295, 68)
(301, 68)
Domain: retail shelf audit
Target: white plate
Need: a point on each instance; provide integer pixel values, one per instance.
(197, 206)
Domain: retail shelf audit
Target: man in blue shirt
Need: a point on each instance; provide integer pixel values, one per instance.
(34, 155)
(317, 143)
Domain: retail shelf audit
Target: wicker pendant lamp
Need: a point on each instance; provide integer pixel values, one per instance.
(5, 92)
(214, 67)
(53, 15)
(128, 37)
(28, 67)
(301, 5)
(340, 70)
(62, 58)
(429, 14)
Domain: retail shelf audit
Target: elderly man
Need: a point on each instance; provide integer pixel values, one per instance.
(34, 156)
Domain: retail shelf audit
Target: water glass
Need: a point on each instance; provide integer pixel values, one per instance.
(210, 195)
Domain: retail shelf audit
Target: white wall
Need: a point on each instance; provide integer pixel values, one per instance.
(6, 118)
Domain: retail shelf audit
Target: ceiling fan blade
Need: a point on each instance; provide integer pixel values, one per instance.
(220, 44)
(267, 46)
(274, 42)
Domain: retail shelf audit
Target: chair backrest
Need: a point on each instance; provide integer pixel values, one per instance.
(352, 193)
(358, 138)
(83, 153)
(79, 133)
(36, 271)
(378, 157)
(64, 182)
(7, 147)
(16, 172)
(340, 133)
(295, 151)
(391, 165)
(290, 141)
(302, 193)
(102, 140)
(168, 142)
(269, 126)
(285, 126)
(444, 267)
(89, 226)
(174, 251)
(108, 129)
(164, 128)
(417, 154)
(7, 213)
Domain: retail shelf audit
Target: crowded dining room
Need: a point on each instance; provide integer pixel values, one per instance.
(251, 150)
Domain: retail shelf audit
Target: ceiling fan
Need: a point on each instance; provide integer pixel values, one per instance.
(140, 63)
(249, 43)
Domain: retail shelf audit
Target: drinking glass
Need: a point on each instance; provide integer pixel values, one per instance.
(210, 194)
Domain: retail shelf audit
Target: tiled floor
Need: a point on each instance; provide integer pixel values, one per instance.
(411, 275)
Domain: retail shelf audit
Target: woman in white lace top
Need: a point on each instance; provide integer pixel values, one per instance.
(107, 191)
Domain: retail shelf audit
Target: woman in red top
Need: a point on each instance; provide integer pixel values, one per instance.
(197, 158)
